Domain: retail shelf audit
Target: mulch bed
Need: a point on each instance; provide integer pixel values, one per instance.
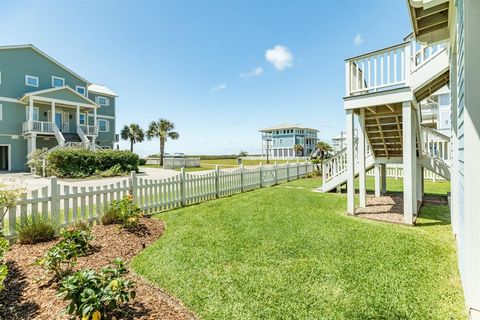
(26, 298)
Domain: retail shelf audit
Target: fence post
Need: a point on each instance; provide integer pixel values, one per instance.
(275, 171)
(261, 175)
(183, 186)
(396, 171)
(288, 171)
(242, 178)
(55, 199)
(306, 168)
(134, 186)
(298, 169)
(44, 167)
(217, 181)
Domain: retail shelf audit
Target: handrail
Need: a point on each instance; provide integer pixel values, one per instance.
(37, 126)
(435, 144)
(58, 134)
(375, 52)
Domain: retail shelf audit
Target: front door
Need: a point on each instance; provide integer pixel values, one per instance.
(4, 158)
(59, 120)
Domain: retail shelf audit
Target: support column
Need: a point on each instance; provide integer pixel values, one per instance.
(409, 163)
(383, 174)
(95, 117)
(78, 117)
(376, 170)
(53, 112)
(350, 164)
(361, 160)
(419, 175)
(30, 109)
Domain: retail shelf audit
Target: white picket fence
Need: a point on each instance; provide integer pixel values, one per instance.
(69, 204)
(396, 171)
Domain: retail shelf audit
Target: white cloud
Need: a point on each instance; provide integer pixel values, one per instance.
(253, 73)
(219, 87)
(358, 40)
(280, 56)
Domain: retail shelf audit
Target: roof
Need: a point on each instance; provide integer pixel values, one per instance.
(98, 88)
(31, 46)
(286, 126)
(82, 100)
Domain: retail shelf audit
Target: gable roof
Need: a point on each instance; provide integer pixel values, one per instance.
(51, 93)
(286, 126)
(31, 46)
(99, 88)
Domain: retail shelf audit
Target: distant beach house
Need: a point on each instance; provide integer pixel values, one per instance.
(279, 141)
(44, 104)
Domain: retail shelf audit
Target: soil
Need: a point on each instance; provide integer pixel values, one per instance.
(25, 297)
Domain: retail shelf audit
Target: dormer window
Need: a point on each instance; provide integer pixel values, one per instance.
(103, 101)
(81, 90)
(57, 82)
(31, 81)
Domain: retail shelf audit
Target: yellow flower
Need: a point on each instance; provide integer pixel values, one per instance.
(96, 315)
(114, 285)
(85, 318)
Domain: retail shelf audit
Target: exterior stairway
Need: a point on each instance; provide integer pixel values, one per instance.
(380, 83)
(71, 137)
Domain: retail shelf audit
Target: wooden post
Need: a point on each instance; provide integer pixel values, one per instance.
(183, 187)
(377, 173)
(242, 178)
(409, 163)
(361, 160)
(217, 182)
(288, 171)
(298, 166)
(55, 200)
(350, 163)
(383, 169)
(134, 186)
(275, 172)
(261, 175)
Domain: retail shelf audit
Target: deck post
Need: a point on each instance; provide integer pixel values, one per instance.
(350, 164)
(376, 170)
(419, 182)
(409, 163)
(361, 159)
(383, 174)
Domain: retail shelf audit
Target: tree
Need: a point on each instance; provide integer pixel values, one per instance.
(134, 133)
(243, 154)
(298, 148)
(163, 130)
(324, 149)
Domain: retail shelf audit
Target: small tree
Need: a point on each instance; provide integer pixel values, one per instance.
(243, 154)
(298, 148)
(134, 133)
(163, 130)
(324, 150)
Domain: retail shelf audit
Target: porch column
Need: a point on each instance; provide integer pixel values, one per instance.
(377, 172)
(53, 112)
(419, 176)
(350, 164)
(383, 174)
(361, 159)
(33, 143)
(78, 117)
(30, 109)
(409, 163)
(95, 116)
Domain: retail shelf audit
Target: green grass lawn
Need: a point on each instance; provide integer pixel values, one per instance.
(288, 253)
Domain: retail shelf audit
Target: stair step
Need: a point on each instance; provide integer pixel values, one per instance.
(71, 137)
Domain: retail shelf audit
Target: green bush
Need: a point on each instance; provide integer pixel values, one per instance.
(3, 266)
(80, 163)
(142, 162)
(35, 229)
(112, 172)
(124, 212)
(61, 258)
(94, 295)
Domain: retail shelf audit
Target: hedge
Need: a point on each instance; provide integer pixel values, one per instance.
(79, 163)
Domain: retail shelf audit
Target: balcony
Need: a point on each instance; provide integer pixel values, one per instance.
(89, 130)
(37, 127)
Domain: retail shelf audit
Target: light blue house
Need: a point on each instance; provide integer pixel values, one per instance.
(279, 141)
(44, 104)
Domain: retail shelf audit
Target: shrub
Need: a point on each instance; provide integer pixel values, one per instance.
(8, 198)
(61, 258)
(80, 163)
(111, 172)
(35, 160)
(3, 266)
(35, 229)
(142, 162)
(124, 212)
(94, 295)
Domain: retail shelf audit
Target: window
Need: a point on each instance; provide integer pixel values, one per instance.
(31, 81)
(102, 101)
(57, 82)
(103, 125)
(35, 114)
(83, 119)
(81, 90)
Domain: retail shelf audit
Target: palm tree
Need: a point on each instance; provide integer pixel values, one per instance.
(134, 133)
(324, 149)
(162, 129)
(297, 148)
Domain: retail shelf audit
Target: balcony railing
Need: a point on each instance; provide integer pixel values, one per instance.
(89, 130)
(388, 68)
(37, 126)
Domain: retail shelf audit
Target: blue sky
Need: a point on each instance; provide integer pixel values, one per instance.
(203, 64)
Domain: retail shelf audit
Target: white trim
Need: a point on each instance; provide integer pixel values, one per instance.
(107, 125)
(107, 101)
(84, 90)
(7, 99)
(32, 77)
(35, 93)
(57, 78)
(9, 146)
(105, 116)
(27, 113)
(46, 56)
(84, 119)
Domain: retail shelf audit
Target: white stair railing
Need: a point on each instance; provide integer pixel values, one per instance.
(58, 134)
(435, 144)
